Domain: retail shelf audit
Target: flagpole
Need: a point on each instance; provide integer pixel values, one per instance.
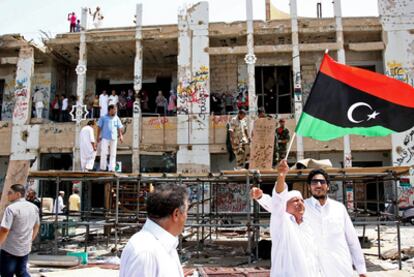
(290, 146)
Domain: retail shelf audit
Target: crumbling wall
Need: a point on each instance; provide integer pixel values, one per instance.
(223, 73)
(8, 94)
(399, 63)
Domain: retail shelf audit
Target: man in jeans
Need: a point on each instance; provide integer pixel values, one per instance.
(18, 229)
(109, 130)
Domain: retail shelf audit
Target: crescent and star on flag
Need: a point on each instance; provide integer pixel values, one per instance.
(361, 104)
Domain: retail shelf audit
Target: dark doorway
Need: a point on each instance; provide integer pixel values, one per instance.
(2, 82)
(274, 88)
(58, 161)
(151, 89)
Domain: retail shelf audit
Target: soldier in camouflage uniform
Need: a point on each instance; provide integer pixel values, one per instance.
(239, 135)
(282, 138)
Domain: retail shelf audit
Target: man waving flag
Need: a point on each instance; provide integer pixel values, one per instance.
(348, 100)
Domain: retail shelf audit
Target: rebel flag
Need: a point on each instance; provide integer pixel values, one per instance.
(348, 100)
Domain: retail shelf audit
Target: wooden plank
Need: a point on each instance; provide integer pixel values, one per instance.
(17, 173)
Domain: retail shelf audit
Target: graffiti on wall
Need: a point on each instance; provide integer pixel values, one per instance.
(231, 198)
(405, 152)
(159, 123)
(193, 96)
(21, 106)
(400, 72)
(405, 194)
(8, 99)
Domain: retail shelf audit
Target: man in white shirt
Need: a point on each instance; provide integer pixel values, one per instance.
(338, 242)
(153, 250)
(103, 103)
(38, 99)
(294, 251)
(113, 99)
(87, 145)
(59, 206)
(65, 112)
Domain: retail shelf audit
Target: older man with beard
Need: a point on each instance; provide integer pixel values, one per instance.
(294, 252)
(338, 243)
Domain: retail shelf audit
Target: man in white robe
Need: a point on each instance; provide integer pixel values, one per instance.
(338, 242)
(103, 103)
(87, 144)
(294, 252)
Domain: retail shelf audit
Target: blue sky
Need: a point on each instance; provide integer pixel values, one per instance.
(27, 17)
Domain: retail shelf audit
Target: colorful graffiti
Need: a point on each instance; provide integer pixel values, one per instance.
(399, 72)
(193, 96)
(159, 123)
(405, 194)
(219, 121)
(232, 198)
(21, 106)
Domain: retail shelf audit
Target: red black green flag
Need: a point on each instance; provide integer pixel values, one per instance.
(348, 100)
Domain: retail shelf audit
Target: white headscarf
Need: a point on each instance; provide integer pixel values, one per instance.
(293, 193)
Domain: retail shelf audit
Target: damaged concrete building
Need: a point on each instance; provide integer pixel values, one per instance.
(211, 57)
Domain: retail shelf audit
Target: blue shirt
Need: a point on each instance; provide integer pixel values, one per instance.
(109, 127)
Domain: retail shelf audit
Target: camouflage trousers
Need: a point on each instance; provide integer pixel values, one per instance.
(242, 154)
(278, 155)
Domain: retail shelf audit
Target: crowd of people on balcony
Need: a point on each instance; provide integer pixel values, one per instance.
(162, 105)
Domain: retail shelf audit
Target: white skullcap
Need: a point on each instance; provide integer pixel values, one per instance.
(293, 193)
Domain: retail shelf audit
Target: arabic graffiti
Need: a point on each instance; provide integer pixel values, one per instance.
(193, 96)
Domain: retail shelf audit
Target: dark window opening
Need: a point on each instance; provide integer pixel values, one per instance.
(158, 163)
(274, 88)
(58, 161)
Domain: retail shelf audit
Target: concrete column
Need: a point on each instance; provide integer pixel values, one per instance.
(80, 90)
(297, 77)
(267, 3)
(137, 87)
(341, 59)
(193, 90)
(250, 60)
(399, 64)
(18, 168)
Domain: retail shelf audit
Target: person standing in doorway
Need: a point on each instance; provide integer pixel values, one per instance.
(65, 109)
(38, 99)
(55, 108)
(113, 99)
(161, 103)
(122, 104)
(172, 103)
(19, 227)
(95, 107)
(88, 146)
(103, 103)
(109, 130)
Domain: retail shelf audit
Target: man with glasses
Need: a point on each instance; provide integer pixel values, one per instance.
(153, 250)
(336, 236)
(18, 229)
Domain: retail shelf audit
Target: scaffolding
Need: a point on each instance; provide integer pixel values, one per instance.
(213, 205)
